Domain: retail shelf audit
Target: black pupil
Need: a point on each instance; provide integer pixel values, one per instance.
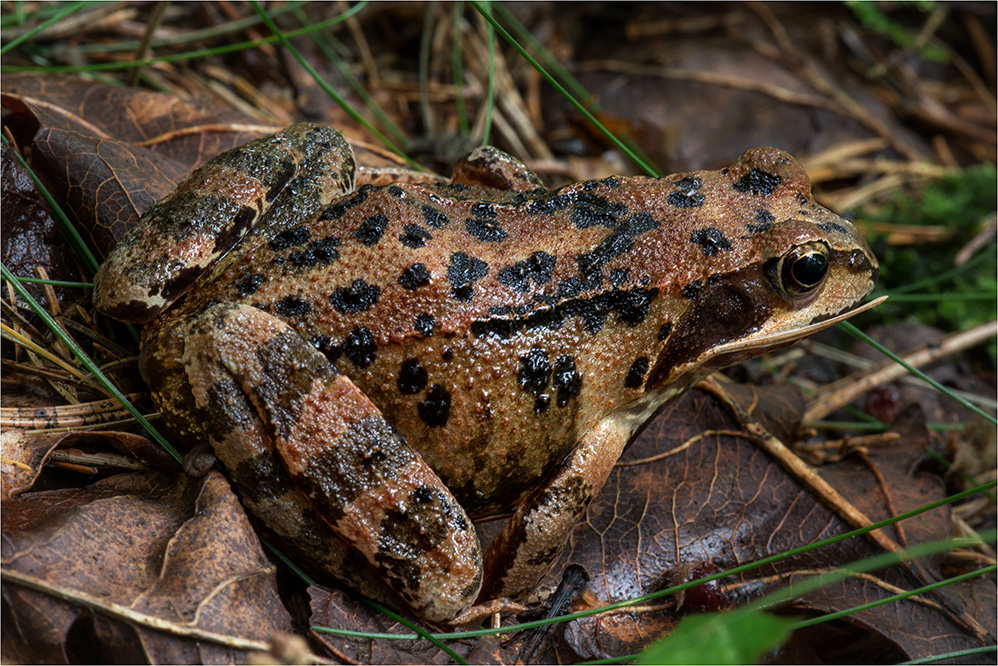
(808, 270)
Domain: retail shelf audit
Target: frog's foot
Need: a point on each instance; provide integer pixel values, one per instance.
(523, 551)
(285, 417)
(477, 613)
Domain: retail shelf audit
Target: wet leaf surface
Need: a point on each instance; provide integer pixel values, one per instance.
(30, 235)
(165, 546)
(722, 501)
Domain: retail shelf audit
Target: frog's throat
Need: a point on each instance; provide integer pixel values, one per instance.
(643, 409)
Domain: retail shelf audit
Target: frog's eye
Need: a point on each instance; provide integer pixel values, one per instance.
(802, 269)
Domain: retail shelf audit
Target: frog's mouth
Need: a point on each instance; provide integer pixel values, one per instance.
(753, 345)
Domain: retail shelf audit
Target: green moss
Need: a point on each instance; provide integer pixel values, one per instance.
(928, 286)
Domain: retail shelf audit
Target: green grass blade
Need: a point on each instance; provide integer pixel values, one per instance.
(87, 362)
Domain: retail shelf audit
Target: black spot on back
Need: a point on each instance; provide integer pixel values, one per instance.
(435, 410)
(435, 218)
(290, 238)
(538, 268)
(414, 277)
(566, 380)
(358, 297)
(412, 377)
(665, 331)
(335, 211)
(317, 253)
(686, 196)
(370, 232)
(618, 276)
(551, 203)
(359, 347)
(535, 371)
(292, 306)
(395, 191)
(711, 240)
(830, 226)
(249, 284)
(325, 344)
(592, 210)
(425, 324)
(758, 182)
(631, 307)
(462, 272)
(614, 245)
(414, 236)
(635, 376)
(692, 290)
(485, 230)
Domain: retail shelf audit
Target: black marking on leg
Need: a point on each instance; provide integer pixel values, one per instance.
(375, 453)
(289, 375)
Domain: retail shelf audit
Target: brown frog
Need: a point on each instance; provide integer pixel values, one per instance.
(378, 368)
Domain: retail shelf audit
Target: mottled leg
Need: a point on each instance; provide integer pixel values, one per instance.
(269, 391)
(291, 174)
(527, 545)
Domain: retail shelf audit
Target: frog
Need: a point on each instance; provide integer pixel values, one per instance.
(380, 368)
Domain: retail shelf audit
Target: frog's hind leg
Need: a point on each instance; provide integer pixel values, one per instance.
(533, 537)
(269, 391)
(293, 173)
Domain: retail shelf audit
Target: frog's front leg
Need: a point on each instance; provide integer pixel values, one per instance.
(523, 551)
(265, 388)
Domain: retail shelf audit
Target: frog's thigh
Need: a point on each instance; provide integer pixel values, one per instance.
(355, 470)
(527, 545)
